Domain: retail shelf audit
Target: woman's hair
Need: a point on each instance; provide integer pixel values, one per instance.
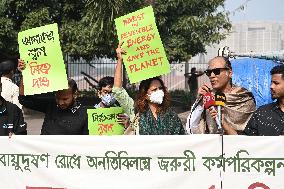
(141, 103)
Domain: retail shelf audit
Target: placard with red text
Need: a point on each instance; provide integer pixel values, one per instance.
(146, 57)
(45, 70)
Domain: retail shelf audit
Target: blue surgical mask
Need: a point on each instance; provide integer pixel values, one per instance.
(108, 100)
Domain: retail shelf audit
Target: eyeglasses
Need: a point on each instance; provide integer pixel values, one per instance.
(216, 71)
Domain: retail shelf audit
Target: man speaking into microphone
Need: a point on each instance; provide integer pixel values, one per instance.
(238, 106)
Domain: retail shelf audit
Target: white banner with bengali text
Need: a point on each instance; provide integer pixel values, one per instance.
(146, 162)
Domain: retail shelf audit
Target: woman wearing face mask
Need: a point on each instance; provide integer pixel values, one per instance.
(104, 91)
(154, 117)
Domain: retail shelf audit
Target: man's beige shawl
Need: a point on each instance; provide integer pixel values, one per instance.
(238, 109)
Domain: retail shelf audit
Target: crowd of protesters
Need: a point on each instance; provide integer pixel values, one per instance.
(151, 112)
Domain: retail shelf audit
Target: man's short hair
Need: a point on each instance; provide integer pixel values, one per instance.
(278, 70)
(225, 59)
(105, 81)
(227, 62)
(7, 66)
(72, 85)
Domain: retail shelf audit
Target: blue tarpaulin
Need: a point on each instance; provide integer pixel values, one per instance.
(254, 75)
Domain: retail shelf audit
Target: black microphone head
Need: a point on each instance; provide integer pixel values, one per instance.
(220, 99)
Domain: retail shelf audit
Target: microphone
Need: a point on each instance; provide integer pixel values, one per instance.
(220, 100)
(199, 99)
(208, 100)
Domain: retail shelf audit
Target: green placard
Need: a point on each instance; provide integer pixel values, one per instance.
(146, 57)
(103, 121)
(45, 70)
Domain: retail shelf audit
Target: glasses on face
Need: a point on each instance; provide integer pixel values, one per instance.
(216, 71)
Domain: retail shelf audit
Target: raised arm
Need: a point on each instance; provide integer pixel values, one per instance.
(119, 92)
(118, 70)
(21, 67)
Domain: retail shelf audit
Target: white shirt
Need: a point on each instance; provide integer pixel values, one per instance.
(195, 116)
(10, 91)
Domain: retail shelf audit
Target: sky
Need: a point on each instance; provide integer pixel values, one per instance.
(260, 10)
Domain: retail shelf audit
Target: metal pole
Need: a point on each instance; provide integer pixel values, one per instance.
(186, 70)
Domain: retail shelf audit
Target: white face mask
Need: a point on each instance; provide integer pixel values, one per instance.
(108, 100)
(157, 96)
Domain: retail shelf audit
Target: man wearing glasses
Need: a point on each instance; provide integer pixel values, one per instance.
(238, 108)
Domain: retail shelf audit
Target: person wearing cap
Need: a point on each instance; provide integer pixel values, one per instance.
(10, 91)
(239, 104)
(11, 118)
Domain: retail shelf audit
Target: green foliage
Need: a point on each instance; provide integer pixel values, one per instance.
(87, 26)
(187, 27)
(7, 37)
(20, 15)
(100, 16)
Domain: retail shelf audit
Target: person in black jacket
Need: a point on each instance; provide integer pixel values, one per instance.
(64, 115)
(11, 118)
(193, 83)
